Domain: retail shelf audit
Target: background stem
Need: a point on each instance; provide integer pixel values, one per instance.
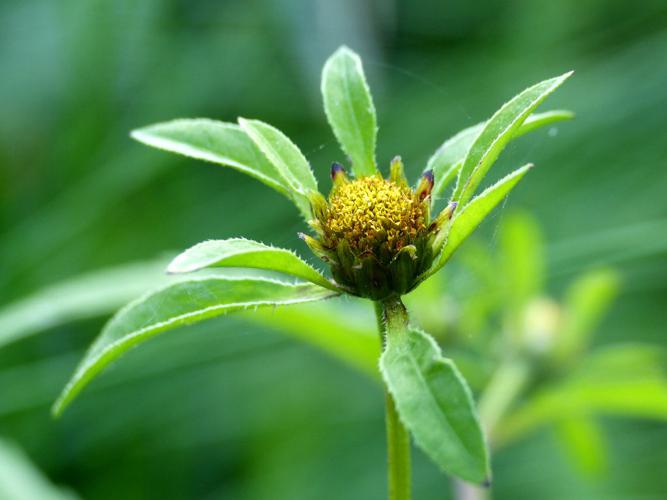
(388, 314)
(467, 491)
(505, 386)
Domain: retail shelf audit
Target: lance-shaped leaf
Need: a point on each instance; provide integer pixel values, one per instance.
(448, 159)
(349, 108)
(435, 404)
(496, 133)
(221, 143)
(285, 156)
(474, 213)
(181, 304)
(87, 296)
(239, 252)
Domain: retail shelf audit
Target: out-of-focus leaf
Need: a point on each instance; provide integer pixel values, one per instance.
(215, 142)
(623, 361)
(179, 304)
(586, 302)
(495, 135)
(349, 108)
(584, 442)
(448, 159)
(331, 326)
(625, 380)
(435, 404)
(21, 480)
(240, 252)
(87, 296)
(522, 258)
(287, 159)
(472, 215)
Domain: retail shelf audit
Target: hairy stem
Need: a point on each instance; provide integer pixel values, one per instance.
(392, 318)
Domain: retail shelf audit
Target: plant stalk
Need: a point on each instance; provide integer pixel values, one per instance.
(391, 316)
(505, 386)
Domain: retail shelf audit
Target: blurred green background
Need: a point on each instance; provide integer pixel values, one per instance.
(230, 409)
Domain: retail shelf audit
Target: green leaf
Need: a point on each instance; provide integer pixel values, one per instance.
(497, 132)
(584, 442)
(87, 296)
(239, 252)
(435, 404)
(179, 304)
(627, 381)
(474, 213)
(539, 120)
(215, 142)
(522, 259)
(333, 326)
(339, 329)
(447, 161)
(21, 480)
(285, 156)
(349, 108)
(586, 302)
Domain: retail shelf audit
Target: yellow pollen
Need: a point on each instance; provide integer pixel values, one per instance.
(370, 211)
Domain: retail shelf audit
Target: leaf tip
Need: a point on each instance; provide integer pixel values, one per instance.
(138, 134)
(344, 50)
(560, 79)
(58, 407)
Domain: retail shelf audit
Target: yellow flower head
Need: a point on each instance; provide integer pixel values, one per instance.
(372, 210)
(375, 233)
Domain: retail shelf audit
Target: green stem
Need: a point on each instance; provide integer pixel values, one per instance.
(505, 386)
(391, 315)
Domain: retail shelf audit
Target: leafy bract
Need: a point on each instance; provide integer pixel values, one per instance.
(474, 213)
(496, 133)
(221, 143)
(240, 252)
(435, 404)
(349, 108)
(286, 157)
(448, 159)
(179, 304)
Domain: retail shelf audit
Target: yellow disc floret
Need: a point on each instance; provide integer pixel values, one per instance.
(376, 234)
(371, 211)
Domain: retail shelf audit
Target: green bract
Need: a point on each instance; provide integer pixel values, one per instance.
(377, 235)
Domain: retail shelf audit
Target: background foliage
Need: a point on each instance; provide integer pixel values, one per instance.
(203, 415)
